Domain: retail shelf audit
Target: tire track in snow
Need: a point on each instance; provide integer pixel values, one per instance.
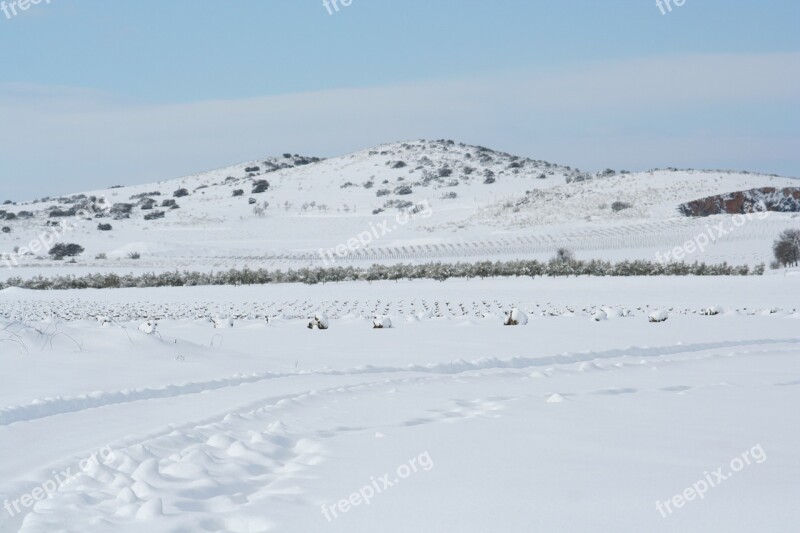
(42, 408)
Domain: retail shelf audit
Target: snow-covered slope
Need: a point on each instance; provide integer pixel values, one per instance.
(421, 200)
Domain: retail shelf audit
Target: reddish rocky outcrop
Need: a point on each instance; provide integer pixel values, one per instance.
(786, 200)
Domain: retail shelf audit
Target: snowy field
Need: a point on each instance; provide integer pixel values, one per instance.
(234, 416)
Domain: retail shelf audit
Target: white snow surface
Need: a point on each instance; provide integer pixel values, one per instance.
(217, 409)
(567, 424)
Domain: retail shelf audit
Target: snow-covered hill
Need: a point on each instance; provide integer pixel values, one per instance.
(409, 201)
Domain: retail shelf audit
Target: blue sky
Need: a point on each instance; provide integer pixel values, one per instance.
(98, 92)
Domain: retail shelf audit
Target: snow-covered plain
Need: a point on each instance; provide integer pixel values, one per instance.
(234, 416)
(620, 404)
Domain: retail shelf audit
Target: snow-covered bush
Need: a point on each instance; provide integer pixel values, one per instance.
(515, 317)
(149, 327)
(319, 321)
(658, 316)
(381, 322)
(599, 316)
(222, 322)
(711, 311)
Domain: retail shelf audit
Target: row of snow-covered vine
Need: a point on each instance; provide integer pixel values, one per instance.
(435, 271)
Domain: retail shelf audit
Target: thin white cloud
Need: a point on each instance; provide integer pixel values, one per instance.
(591, 116)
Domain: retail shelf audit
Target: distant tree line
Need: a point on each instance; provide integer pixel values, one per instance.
(436, 271)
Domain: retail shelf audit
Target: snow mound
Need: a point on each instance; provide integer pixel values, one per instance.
(515, 317)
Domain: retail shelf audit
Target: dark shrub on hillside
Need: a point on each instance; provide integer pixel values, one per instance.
(399, 204)
(104, 227)
(62, 250)
(620, 206)
(147, 203)
(169, 203)
(57, 213)
(403, 190)
(145, 194)
(252, 169)
(383, 192)
(154, 215)
(119, 211)
(238, 192)
(445, 172)
(6, 229)
(260, 186)
(180, 193)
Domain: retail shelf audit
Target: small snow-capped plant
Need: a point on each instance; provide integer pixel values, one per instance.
(381, 322)
(149, 327)
(221, 322)
(103, 320)
(134, 255)
(599, 316)
(515, 317)
(658, 316)
(319, 321)
(714, 310)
